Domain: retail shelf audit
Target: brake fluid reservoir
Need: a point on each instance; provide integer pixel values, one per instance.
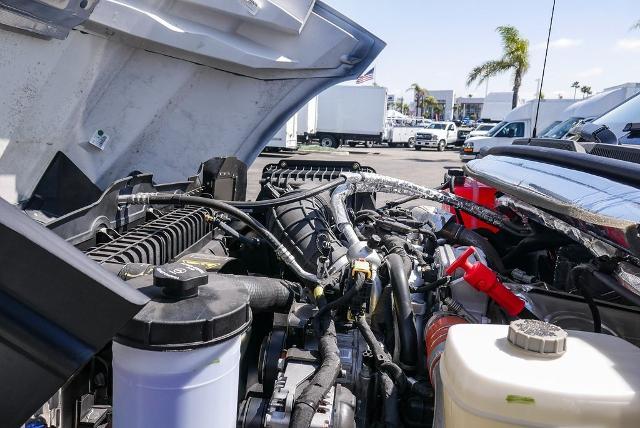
(176, 364)
(533, 374)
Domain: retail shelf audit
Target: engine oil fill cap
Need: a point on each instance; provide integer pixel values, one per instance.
(537, 336)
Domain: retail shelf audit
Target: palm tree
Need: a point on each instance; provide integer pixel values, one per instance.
(429, 103)
(419, 93)
(575, 85)
(515, 58)
(586, 91)
(401, 107)
(439, 110)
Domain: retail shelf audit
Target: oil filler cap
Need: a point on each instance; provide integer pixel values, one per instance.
(538, 337)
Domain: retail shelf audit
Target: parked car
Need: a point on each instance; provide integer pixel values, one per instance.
(481, 130)
(463, 133)
(438, 135)
(517, 124)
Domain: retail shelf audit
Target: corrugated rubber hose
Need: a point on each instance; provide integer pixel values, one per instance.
(403, 311)
(324, 378)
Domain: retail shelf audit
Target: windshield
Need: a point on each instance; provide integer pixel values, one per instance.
(548, 128)
(616, 119)
(485, 127)
(495, 129)
(561, 129)
(437, 126)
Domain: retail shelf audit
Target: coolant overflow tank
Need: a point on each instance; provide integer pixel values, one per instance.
(176, 364)
(531, 374)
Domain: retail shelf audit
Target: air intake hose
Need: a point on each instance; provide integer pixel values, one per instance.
(304, 229)
(264, 293)
(458, 234)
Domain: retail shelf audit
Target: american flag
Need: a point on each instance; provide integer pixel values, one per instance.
(365, 77)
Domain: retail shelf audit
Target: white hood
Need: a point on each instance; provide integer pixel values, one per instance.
(167, 85)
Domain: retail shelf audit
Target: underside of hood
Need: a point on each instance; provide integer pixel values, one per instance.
(143, 86)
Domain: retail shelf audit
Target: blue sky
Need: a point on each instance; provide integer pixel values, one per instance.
(436, 43)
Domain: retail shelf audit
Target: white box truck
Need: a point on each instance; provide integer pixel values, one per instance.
(302, 128)
(496, 106)
(517, 124)
(348, 114)
(286, 138)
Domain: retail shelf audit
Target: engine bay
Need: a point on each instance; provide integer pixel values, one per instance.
(312, 306)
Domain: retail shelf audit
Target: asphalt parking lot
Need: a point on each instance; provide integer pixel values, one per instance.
(425, 167)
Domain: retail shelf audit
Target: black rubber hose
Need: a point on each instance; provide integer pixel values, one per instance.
(396, 245)
(383, 361)
(263, 232)
(581, 276)
(284, 200)
(431, 286)
(536, 242)
(401, 201)
(390, 401)
(461, 235)
(324, 378)
(404, 200)
(403, 311)
(345, 298)
(265, 293)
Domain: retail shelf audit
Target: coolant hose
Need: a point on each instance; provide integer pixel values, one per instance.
(324, 378)
(280, 250)
(403, 311)
(396, 245)
(264, 293)
(454, 232)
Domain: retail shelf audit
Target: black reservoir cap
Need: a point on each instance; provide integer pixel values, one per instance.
(189, 308)
(179, 280)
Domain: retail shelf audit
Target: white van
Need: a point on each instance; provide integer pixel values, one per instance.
(592, 107)
(517, 124)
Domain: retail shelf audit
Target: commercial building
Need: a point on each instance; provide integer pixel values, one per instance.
(468, 107)
(445, 100)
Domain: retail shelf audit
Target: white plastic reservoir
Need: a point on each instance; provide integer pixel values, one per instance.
(198, 388)
(490, 382)
(176, 364)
